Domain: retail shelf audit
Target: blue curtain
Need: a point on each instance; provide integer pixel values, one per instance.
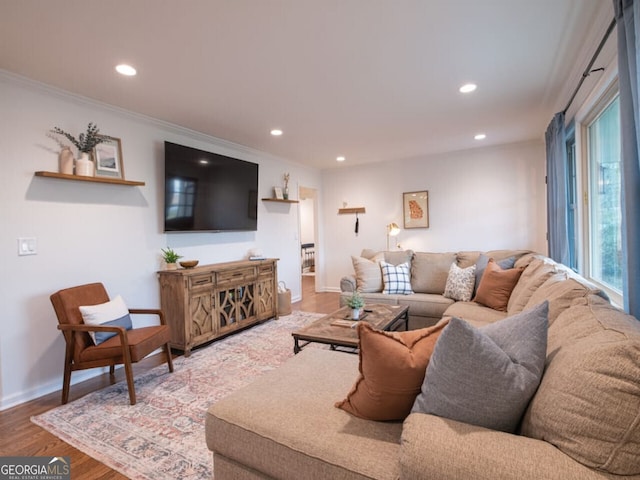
(628, 20)
(557, 225)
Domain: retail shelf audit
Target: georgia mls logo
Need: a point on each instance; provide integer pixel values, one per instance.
(35, 468)
(61, 461)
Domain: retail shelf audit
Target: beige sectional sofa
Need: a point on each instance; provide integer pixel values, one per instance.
(582, 423)
(429, 272)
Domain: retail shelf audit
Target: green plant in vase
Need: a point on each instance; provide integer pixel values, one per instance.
(285, 192)
(85, 143)
(170, 257)
(355, 302)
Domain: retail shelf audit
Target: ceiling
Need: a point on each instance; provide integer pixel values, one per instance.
(373, 80)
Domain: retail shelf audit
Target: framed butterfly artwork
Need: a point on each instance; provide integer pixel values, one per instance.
(416, 209)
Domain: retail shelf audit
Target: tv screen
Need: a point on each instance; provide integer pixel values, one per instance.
(207, 192)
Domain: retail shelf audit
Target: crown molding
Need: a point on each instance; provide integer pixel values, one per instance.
(35, 85)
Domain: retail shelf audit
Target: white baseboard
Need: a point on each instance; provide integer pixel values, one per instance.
(53, 386)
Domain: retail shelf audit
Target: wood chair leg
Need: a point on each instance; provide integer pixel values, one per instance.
(128, 368)
(66, 379)
(66, 382)
(167, 352)
(112, 374)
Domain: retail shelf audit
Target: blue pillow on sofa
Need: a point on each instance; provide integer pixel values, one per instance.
(486, 376)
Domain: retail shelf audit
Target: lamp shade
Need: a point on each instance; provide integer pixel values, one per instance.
(392, 230)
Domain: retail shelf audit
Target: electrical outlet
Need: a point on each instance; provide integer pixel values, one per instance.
(27, 246)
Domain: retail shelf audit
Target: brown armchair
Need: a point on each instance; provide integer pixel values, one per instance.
(126, 347)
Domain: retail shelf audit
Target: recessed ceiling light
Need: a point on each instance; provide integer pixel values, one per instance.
(276, 132)
(468, 87)
(124, 69)
(340, 159)
(480, 136)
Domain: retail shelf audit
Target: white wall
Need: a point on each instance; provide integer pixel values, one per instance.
(307, 231)
(481, 199)
(96, 232)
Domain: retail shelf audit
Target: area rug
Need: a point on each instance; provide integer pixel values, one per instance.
(162, 436)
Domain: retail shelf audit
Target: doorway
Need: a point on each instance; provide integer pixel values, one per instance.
(308, 238)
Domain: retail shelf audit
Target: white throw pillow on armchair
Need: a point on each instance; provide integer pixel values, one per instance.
(112, 313)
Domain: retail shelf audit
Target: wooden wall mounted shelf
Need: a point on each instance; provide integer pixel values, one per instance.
(342, 211)
(79, 178)
(279, 200)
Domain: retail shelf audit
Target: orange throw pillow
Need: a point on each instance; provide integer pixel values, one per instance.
(392, 368)
(496, 286)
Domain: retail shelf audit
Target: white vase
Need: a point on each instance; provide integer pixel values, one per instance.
(84, 166)
(65, 161)
(355, 313)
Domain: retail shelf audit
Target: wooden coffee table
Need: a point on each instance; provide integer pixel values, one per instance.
(336, 329)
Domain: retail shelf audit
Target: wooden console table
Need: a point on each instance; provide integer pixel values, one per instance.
(209, 301)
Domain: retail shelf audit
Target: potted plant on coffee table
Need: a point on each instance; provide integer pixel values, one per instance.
(355, 303)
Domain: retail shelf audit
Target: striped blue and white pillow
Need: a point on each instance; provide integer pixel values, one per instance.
(396, 278)
(113, 313)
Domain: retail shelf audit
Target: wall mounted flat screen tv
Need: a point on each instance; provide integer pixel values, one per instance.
(208, 192)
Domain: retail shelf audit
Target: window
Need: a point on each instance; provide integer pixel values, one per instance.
(182, 196)
(604, 209)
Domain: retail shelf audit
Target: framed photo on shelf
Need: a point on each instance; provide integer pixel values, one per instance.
(108, 156)
(277, 191)
(415, 207)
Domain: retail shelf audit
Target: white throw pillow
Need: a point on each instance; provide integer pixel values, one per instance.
(112, 313)
(460, 283)
(397, 278)
(368, 273)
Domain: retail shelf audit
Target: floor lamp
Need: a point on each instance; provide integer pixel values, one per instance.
(392, 230)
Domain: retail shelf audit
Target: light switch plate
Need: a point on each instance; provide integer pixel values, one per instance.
(27, 246)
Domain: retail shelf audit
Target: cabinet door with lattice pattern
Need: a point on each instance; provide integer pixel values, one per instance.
(236, 307)
(266, 299)
(245, 303)
(201, 307)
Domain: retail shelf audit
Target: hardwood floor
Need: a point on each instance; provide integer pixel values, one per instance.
(20, 437)
(316, 302)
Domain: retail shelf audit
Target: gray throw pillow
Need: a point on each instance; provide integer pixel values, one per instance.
(481, 265)
(486, 376)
